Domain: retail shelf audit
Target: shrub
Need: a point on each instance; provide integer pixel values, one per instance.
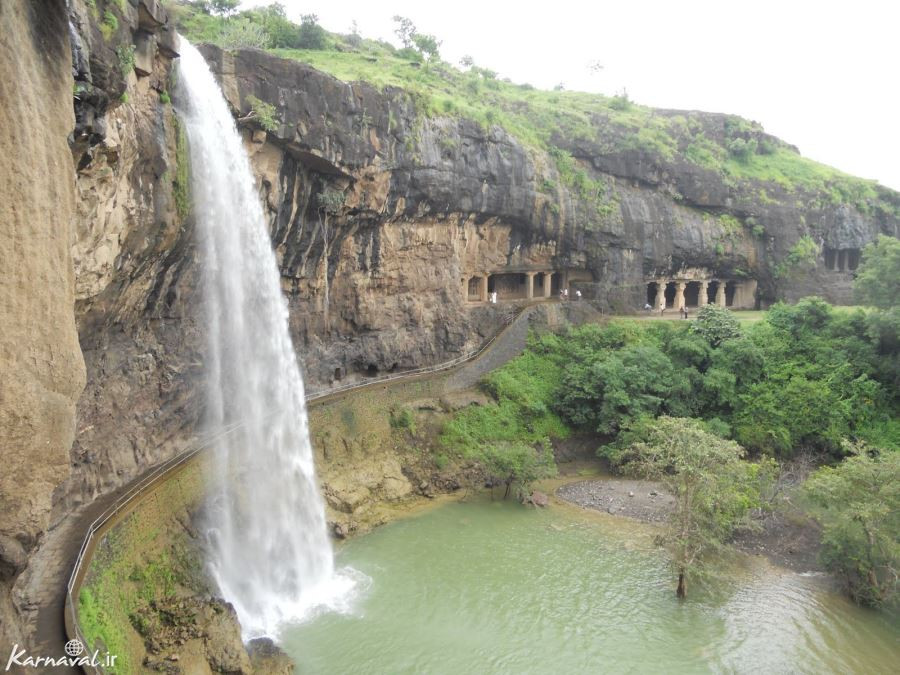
(800, 258)
(126, 59)
(742, 149)
(403, 419)
(620, 102)
(109, 25)
(265, 113)
(312, 35)
(242, 33)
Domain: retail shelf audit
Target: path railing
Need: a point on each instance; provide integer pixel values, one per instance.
(163, 470)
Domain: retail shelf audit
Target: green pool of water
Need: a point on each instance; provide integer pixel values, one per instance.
(493, 587)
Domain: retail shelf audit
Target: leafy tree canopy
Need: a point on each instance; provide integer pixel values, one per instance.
(859, 508)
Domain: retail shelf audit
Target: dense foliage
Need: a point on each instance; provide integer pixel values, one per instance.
(803, 379)
(742, 154)
(714, 490)
(859, 503)
(878, 280)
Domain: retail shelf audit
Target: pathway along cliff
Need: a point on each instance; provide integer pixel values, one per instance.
(52, 563)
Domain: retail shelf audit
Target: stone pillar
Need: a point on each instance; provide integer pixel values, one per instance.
(679, 294)
(702, 298)
(548, 281)
(484, 288)
(720, 294)
(660, 294)
(529, 285)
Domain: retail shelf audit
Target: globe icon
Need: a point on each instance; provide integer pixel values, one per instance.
(74, 647)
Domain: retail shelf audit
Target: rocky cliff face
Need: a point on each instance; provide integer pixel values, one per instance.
(380, 215)
(133, 251)
(43, 372)
(376, 278)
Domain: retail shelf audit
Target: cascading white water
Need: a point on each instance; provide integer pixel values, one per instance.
(271, 555)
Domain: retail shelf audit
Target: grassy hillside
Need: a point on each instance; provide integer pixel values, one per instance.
(733, 148)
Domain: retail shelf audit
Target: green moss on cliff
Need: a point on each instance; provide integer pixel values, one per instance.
(181, 184)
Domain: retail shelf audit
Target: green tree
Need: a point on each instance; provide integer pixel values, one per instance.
(716, 324)
(859, 508)
(405, 30)
(428, 46)
(282, 32)
(517, 465)
(614, 388)
(223, 7)
(878, 278)
(312, 35)
(714, 489)
(789, 412)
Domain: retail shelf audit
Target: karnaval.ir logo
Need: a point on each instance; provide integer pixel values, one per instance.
(74, 648)
(75, 656)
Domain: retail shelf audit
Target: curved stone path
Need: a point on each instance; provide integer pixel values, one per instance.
(41, 591)
(506, 346)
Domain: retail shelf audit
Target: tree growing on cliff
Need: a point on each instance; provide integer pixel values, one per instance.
(858, 504)
(714, 489)
(328, 203)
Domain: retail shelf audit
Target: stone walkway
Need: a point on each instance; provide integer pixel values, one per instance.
(41, 590)
(506, 346)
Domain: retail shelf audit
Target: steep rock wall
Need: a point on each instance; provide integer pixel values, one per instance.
(41, 364)
(430, 202)
(425, 204)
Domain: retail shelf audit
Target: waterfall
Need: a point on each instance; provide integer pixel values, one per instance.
(271, 555)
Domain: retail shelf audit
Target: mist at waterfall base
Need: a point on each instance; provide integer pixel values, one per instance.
(270, 551)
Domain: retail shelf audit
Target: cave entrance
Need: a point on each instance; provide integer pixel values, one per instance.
(555, 283)
(509, 285)
(730, 290)
(337, 374)
(652, 289)
(711, 292)
(670, 294)
(692, 294)
(852, 258)
(473, 293)
(542, 285)
(372, 370)
(830, 258)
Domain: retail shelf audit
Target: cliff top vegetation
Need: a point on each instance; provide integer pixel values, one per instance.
(563, 123)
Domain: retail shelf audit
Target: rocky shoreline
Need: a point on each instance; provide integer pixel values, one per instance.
(786, 537)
